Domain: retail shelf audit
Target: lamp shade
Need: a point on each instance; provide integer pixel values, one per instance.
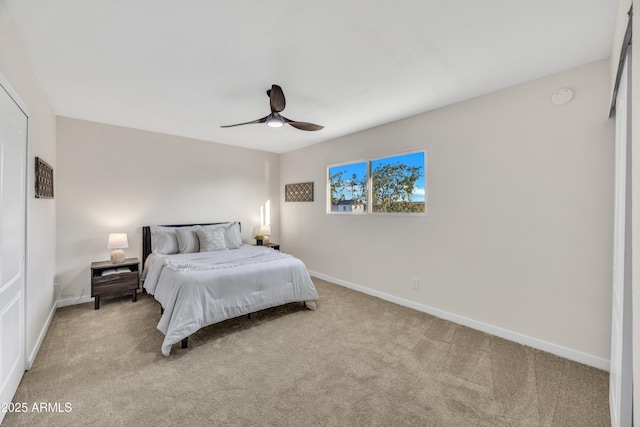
(117, 241)
(265, 230)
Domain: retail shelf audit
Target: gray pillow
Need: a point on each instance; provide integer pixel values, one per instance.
(234, 240)
(163, 240)
(188, 241)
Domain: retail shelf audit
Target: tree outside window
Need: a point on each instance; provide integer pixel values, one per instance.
(398, 184)
(348, 188)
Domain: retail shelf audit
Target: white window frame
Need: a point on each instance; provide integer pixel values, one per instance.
(369, 180)
(328, 184)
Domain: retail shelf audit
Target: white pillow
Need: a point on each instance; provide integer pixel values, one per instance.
(211, 239)
(163, 240)
(188, 241)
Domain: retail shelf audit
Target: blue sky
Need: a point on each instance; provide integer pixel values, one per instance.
(360, 169)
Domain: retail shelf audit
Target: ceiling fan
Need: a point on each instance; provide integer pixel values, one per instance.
(277, 103)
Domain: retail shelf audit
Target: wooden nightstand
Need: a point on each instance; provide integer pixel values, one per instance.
(275, 246)
(116, 283)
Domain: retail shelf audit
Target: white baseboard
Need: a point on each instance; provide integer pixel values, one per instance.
(43, 332)
(558, 350)
(73, 301)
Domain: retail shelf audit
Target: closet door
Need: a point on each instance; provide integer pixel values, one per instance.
(13, 149)
(620, 396)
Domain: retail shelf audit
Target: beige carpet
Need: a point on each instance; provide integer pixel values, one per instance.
(356, 361)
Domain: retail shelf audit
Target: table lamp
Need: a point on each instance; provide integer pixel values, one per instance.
(117, 241)
(265, 230)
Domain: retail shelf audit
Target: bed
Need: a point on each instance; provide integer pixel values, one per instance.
(202, 274)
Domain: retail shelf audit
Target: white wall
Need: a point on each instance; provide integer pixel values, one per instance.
(114, 179)
(518, 234)
(41, 213)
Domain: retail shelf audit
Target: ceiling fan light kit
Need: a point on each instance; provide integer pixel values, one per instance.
(277, 104)
(274, 120)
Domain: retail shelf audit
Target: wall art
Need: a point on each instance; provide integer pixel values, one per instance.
(302, 192)
(44, 179)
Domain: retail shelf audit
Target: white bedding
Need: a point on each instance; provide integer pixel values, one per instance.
(203, 288)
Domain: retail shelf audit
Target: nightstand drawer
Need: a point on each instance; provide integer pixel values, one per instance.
(114, 283)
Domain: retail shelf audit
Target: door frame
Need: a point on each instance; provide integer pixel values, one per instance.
(23, 106)
(620, 386)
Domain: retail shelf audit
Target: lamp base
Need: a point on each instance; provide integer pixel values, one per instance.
(265, 240)
(118, 256)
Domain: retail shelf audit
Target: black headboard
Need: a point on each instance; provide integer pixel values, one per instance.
(146, 236)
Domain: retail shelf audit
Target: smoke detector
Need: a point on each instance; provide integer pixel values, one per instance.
(562, 96)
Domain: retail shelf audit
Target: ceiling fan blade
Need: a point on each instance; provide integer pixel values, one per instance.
(262, 120)
(303, 125)
(276, 99)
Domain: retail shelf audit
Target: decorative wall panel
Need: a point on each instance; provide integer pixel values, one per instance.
(44, 179)
(302, 192)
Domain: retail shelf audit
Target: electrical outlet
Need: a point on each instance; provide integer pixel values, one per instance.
(414, 283)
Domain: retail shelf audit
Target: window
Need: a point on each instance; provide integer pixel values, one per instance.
(397, 184)
(348, 185)
(387, 185)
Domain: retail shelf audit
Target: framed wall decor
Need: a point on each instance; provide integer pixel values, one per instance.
(302, 192)
(44, 179)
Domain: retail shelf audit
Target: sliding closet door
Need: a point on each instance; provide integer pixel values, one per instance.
(620, 396)
(13, 152)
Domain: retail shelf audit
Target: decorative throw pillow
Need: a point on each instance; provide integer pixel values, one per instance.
(232, 237)
(211, 239)
(188, 241)
(163, 240)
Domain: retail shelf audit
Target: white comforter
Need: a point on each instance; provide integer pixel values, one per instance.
(200, 289)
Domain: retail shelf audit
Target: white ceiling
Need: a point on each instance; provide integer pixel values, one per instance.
(185, 67)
